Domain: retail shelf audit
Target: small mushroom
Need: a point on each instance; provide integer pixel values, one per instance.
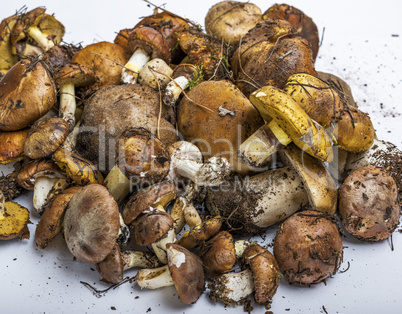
(27, 92)
(12, 145)
(68, 78)
(308, 248)
(145, 44)
(218, 254)
(91, 223)
(141, 159)
(368, 204)
(288, 121)
(229, 21)
(184, 270)
(156, 73)
(51, 221)
(13, 220)
(113, 266)
(45, 137)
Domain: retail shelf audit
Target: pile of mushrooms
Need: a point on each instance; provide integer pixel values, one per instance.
(185, 143)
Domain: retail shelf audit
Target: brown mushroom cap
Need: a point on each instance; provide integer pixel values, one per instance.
(8, 59)
(231, 20)
(265, 272)
(45, 137)
(40, 167)
(105, 59)
(51, 221)
(27, 92)
(302, 23)
(111, 268)
(151, 41)
(218, 254)
(157, 194)
(13, 221)
(187, 273)
(308, 248)
(91, 223)
(151, 227)
(368, 204)
(217, 135)
(12, 145)
(114, 109)
(76, 74)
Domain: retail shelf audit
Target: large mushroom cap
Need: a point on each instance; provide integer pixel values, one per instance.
(152, 227)
(45, 137)
(76, 74)
(187, 273)
(111, 268)
(151, 41)
(12, 145)
(91, 223)
(27, 92)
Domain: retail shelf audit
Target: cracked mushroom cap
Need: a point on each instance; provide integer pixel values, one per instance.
(151, 227)
(27, 92)
(105, 59)
(45, 137)
(151, 41)
(187, 273)
(368, 204)
(161, 193)
(91, 223)
(12, 145)
(8, 59)
(51, 221)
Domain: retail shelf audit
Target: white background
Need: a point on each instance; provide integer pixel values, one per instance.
(362, 43)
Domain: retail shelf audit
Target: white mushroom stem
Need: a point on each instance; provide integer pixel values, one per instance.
(67, 104)
(191, 216)
(31, 50)
(232, 288)
(159, 247)
(42, 190)
(139, 259)
(154, 278)
(118, 184)
(240, 247)
(210, 173)
(130, 72)
(174, 89)
(36, 34)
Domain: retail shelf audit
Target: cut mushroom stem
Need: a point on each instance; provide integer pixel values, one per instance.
(240, 247)
(44, 189)
(232, 288)
(159, 247)
(174, 89)
(137, 61)
(154, 278)
(118, 184)
(139, 259)
(36, 34)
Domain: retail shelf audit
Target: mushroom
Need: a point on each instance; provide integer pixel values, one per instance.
(91, 223)
(218, 254)
(113, 266)
(218, 134)
(229, 21)
(51, 221)
(105, 60)
(259, 201)
(186, 163)
(8, 59)
(308, 248)
(183, 76)
(27, 92)
(302, 23)
(265, 271)
(13, 220)
(45, 137)
(114, 109)
(9, 184)
(368, 204)
(141, 159)
(69, 77)
(156, 73)
(184, 270)
(45, 179)
(352, 129)
(78, 169)
(43, 28)
(288, 122)
(268, 54)
(145, 44)
(12, 145)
